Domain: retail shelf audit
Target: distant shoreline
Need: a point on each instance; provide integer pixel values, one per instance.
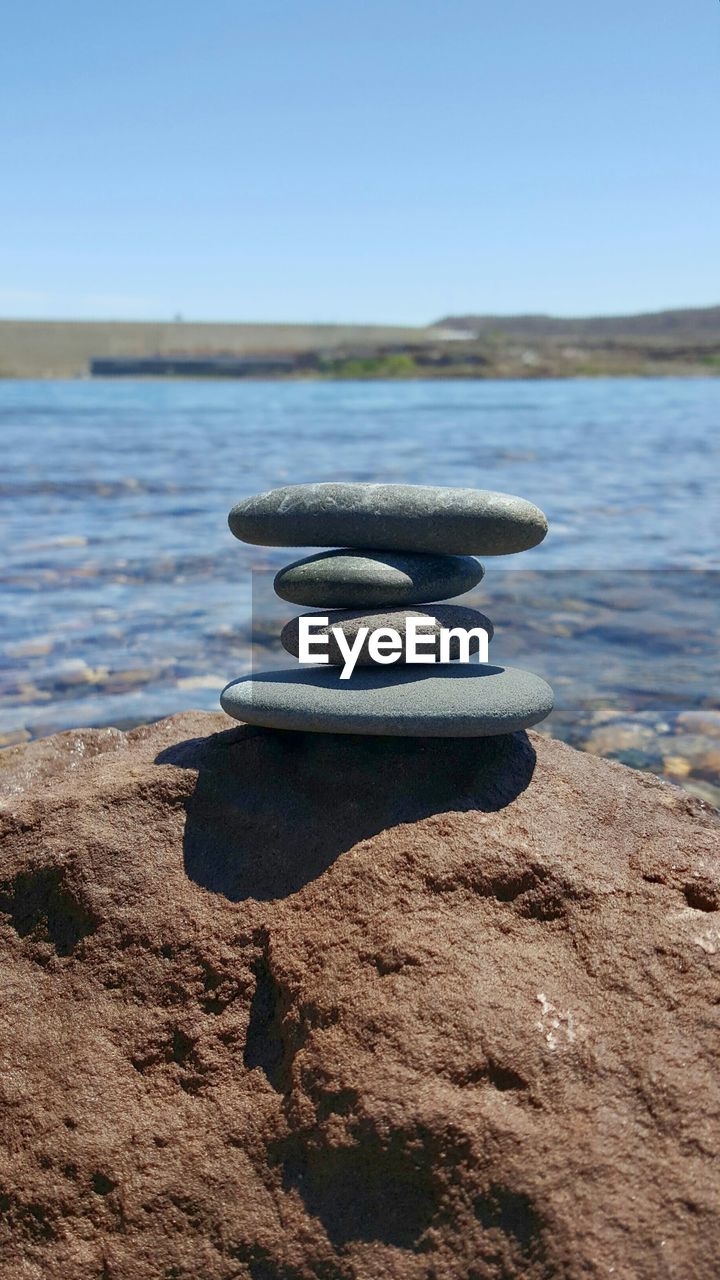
(688, 373)
(663, 344)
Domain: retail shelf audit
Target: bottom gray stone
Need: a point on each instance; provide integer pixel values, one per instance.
(467, 701)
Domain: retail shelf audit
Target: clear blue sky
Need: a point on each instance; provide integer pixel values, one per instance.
(389, 160)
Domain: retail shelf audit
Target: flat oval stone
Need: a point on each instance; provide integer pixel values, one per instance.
(436, 702)
(390, 517)
(364, 579)
(350, 621)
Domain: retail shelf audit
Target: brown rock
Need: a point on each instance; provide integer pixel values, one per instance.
(709, 763)
(304, 1007)
(676, 766)
(48, 758)
(13, 737)
(706, 721)
(620, 736)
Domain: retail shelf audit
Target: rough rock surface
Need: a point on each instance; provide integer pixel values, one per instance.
(294, 1007)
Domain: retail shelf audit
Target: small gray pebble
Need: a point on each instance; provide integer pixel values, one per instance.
(349, 579)
(350, 621)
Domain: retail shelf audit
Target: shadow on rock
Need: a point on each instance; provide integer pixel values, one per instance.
(272, 810)
(370, 1190)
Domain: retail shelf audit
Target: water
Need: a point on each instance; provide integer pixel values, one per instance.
(125, 598)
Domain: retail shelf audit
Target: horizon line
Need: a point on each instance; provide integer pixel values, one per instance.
(180, 319)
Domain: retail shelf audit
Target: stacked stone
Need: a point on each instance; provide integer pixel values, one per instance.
(401, 546)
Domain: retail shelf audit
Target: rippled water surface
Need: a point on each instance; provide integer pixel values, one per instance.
(126, 598)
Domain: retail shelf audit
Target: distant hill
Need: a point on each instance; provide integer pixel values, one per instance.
(679, 343)
(65, 348)
(688, 324)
